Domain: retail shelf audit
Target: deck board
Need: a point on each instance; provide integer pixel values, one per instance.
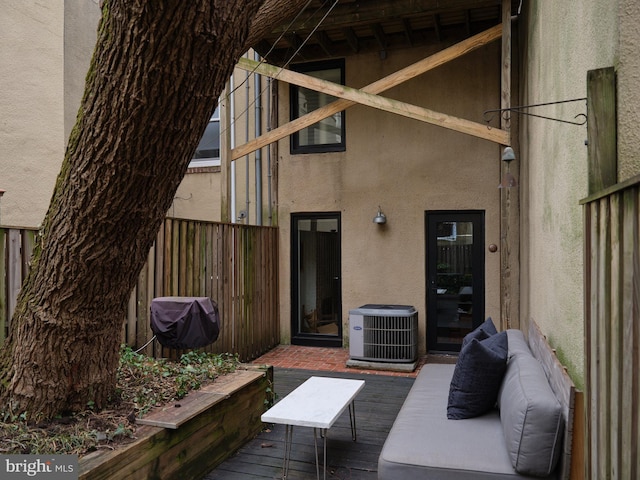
(376, 408)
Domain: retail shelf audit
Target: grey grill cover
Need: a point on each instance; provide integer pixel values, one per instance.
(185, 322)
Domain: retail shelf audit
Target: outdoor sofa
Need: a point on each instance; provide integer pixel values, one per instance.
(526, 435)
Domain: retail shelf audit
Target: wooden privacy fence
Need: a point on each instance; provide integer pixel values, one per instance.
(16, 245)
(234, 265)
(612, 328)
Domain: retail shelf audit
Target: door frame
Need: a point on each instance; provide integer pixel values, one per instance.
(477, 217)
(313, 339)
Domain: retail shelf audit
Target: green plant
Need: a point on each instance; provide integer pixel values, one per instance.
(142, 383)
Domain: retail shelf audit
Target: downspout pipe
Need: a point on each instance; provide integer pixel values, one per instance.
(257, 93)
(269, 211)
(232, 125)
(247, 88)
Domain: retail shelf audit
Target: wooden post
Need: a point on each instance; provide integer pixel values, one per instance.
(602, 129)
(225, 155)
(509, 198)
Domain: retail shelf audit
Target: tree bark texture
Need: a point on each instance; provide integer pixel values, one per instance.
(157, 72)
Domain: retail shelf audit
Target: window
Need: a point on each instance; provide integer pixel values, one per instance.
(208, 152)
(328, 135)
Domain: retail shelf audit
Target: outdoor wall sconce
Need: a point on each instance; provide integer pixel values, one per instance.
(508, 180)
(380, 218)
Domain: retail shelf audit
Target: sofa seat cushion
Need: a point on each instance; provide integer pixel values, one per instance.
(424, 444)
(531, 416)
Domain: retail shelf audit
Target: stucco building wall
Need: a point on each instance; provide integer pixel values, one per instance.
(31, 94)
(404, 166)
(628, 90)
(45, 54)
(561, 43)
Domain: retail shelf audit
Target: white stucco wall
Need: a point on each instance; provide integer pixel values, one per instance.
(45, 49)
(31, 97)
(81, 19)
(564, 40)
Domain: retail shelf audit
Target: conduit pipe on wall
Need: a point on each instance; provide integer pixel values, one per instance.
(232, 135)
(247, 88)
(269, 211)
(257, 93)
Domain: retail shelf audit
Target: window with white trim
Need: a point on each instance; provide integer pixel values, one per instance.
(207, 153)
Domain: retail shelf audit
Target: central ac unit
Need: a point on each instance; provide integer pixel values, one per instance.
(383, 333)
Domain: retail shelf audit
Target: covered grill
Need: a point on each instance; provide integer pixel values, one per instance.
(185, 322)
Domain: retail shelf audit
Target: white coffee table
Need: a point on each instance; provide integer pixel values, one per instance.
(317, 403)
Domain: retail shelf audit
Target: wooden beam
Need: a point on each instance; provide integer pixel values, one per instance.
(375, 101)
(408, 31)
(263, 47)
(352, 39)
(602, 129)
(505, 75)
(325, 42)
(225, 156)
(365, 13)
(437, 27)
(381, 38)
(467, 22)
(509, 197)
(390, 81)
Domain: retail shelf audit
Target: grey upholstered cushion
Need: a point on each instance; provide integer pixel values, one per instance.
(517, 342)
(477, 377)
(531, 416)
(423, 444)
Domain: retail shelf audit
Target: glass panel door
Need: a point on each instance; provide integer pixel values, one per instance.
(316, 286)
(455, 277)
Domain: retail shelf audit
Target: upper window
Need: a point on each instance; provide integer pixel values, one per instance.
(328, 134)
(208, 152)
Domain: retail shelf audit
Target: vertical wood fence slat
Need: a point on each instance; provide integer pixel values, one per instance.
(612, 330)
(14, 271)
(234, 265)
(27, 245)
(175, 258)
(4, 305)
(604, 333)
(168, 260)
(131, 320)
(630, 331)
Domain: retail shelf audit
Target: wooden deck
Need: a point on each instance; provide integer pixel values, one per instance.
(376, 408)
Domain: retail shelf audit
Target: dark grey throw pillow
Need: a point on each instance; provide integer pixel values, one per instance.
(483, 331)
(477, 377)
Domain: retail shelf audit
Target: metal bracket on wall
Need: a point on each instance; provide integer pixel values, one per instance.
(521, 109)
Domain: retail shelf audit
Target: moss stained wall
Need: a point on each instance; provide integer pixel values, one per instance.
(629, 90)
(561, 41)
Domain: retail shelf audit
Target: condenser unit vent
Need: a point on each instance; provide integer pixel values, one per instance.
(383, 333)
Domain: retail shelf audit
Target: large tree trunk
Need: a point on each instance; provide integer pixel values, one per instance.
(156, 75)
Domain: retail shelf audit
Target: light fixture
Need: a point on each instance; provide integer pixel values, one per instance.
(380, 218)
(508, 180)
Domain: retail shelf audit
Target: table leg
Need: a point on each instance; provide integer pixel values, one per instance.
(288, 437)
(352, 420)
(323, 434)
(325, 455)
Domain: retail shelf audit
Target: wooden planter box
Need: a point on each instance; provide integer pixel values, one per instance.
(187, 441)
